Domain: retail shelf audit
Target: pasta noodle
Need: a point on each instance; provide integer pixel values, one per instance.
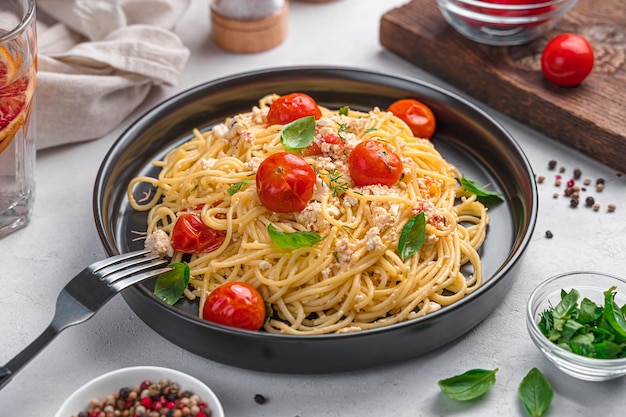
(354, 278)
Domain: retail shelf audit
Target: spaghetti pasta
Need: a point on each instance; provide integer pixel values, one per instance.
(354, 278)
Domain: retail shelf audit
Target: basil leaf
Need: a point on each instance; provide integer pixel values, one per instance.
(298, 134)
(293, 240)
(481, 192)
(536, 393)
(237, 186)
(589, 312)
(566, 306)
(612, 313)
(469, 385)
(170, 285)
(344, 110)
(412, 237)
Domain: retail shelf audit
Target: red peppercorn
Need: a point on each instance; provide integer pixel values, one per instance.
(145, 384)
(146, 402)
(171, 405)
(571, 183)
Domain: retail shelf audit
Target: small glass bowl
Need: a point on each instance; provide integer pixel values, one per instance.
(495, 23)
(547, 295)
(112, 382)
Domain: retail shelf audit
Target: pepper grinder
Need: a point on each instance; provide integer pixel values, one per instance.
(248, 26)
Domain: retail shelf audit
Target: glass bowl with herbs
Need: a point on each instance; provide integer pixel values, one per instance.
(578, 320)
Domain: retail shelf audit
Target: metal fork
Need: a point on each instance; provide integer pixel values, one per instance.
(84, 295)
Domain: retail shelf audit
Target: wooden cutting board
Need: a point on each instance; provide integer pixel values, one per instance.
(590, 117)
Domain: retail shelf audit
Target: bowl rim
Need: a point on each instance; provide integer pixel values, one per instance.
(551, 348)
(512, 7)
(181, 378)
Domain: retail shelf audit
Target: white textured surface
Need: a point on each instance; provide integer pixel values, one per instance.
(37, 261)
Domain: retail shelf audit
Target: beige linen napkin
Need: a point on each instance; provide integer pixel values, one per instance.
(99, 61)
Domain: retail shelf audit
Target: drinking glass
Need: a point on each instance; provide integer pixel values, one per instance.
(18, 67)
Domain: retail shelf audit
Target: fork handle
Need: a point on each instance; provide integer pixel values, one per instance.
(29, 352)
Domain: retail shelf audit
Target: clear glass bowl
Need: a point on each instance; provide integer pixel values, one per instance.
(495, 23)
(591, 285)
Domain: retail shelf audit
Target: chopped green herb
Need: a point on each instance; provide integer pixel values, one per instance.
(412, 237)
(237, 186)
(480, 191)
(536, 393)
(469, 385)
(586, 329)
(170, 285)
(293, 240)
(344, 110)
(298, 134)
(371, 129)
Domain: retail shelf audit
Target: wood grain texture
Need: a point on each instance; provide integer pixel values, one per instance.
(590, 117)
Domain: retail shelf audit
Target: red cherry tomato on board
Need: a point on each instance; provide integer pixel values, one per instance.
(416, 114)
(191, 235)
(290, 107)
(285, 182)
(372, 162)
(567, 59)
(235, 304)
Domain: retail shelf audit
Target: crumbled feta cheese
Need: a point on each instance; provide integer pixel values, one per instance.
(264, 265)
(373, 240)
(207, 163)
(349, 329)
(159, 243)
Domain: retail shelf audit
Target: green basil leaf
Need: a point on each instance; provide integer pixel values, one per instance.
(170, 285)
(293, 240)
(412, 237)
(567, 305)
(344, 110)
(613, 314)
(298, 134)
(469, 385)
(481, 192)
(589, 311)
(536, 393)
(237, 186)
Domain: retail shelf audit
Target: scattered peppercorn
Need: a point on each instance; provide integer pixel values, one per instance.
(562, 170)
(600, 187)
(540, 179)
(259, 399)
(577, 173)
(596, 207)
(552, 164)
(168, 401)
(611, 207)
(573, 203)
(549, 234)
(589, 201)
(587, 181)
(557, 183)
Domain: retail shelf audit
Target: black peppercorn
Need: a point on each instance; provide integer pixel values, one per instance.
(552, 164)
(573, 202)
(259, 399)
(589, 201)
(549, 234)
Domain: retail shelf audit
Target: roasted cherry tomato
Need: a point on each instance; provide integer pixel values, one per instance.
(285, 182)
(567, 59)
(235, 304)
(315, 148)
(417, 115)
(290, 107)
(372, 162)
(191, 235)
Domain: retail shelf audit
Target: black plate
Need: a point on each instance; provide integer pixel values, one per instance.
(466, 136)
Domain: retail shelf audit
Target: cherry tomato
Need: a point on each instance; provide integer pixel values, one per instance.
(290, 107)
(315, 147)
(417, 115)
(372, 162)
(285, 182)
(191, 235)
(567, 59)
(235, 304)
